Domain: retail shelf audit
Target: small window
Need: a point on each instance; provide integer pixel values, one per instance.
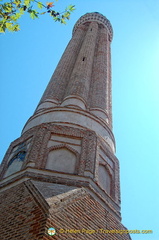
(83, 59)
(20, 157)
(15, 164)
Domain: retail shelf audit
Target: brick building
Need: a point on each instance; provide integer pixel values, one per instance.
(62, 172)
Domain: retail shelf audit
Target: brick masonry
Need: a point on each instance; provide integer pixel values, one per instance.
(27, 212)
(22, 215)
(87, 159)
(82, 212)
(84, 71)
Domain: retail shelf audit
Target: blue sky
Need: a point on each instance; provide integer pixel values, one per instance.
(28, 59)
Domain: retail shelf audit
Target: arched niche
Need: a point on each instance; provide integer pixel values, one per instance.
(15, 164)
(62, 159)
(105, 178)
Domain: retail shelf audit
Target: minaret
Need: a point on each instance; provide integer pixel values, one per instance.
(67, 148)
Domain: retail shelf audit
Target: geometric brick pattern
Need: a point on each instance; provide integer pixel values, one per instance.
(88, 160)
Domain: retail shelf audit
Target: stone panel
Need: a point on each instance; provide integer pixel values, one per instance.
(73, 142)
(62, 160)
(104, 178)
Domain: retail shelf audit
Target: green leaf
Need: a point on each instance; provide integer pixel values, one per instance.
(16, 16)
(10, 27)
(21, 10)
(16, 28)
(63, 21)
(2, 28)
(7, 7)
(57, 19)
(71, 8)
(33, 14)
(67, 15)
(17, 3)
(27, 2)
(40, 5)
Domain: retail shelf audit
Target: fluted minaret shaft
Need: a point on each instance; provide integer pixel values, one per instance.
(81, 75)
(82, 78)
(101, 77)
(56, 88)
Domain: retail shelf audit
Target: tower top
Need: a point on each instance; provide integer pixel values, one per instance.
(97, 17)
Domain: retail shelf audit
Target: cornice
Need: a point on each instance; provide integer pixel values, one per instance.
(97, 17)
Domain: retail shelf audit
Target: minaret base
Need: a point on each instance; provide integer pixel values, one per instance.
(29, 209)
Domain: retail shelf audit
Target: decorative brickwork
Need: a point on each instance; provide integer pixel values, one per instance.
(96, 17)
(87, 163)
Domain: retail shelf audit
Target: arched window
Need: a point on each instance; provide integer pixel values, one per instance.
(15, 163)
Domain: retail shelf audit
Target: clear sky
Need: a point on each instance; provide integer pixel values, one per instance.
(28, 59)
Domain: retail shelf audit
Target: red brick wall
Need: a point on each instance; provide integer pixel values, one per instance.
(83, 212)
(25, 215)
(21, 217)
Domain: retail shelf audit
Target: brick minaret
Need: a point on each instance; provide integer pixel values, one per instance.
(62, 172)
